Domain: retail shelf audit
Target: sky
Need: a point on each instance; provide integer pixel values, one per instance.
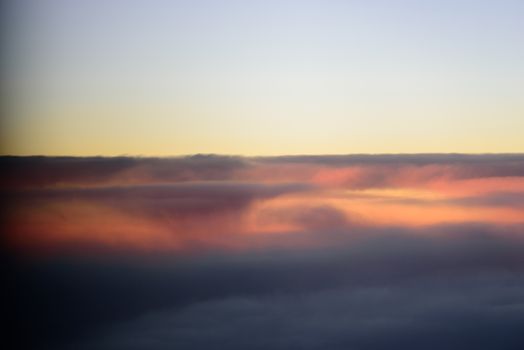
(287, 174)
(158, 77)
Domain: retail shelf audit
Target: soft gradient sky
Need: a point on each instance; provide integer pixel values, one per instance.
(161, 77)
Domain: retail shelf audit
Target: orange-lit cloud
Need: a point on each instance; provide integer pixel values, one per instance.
(201, 202)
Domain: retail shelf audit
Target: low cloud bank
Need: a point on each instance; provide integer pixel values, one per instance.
(306, 252)
(399, 289)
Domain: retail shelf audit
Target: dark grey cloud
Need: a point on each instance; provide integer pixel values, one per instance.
(42, 171)
(382, 168)
(400, 288)
(512, 160)
(47, 171)
(183, 190)
(466, 314)
(197, 195)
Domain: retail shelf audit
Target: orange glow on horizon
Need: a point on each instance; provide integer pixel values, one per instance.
(151, 208)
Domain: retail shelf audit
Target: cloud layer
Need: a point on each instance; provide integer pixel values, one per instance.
(307, 252)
